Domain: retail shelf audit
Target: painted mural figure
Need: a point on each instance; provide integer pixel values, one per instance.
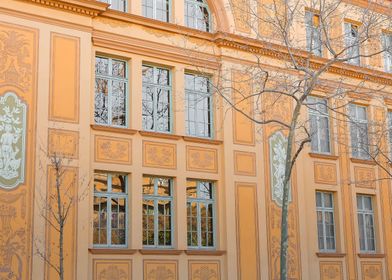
(278, 167)
(12, 129)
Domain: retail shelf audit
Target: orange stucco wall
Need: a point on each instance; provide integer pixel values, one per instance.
(49, 64)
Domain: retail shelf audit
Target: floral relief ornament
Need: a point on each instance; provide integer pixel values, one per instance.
(205, 273)
(12, 140)
(161, 273)
(278, 148)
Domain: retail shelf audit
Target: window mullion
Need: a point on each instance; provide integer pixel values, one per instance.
(199, 243)
(156, 243)
(109, 220)
(110, 88)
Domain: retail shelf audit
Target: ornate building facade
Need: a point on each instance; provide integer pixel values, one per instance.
(169, 183)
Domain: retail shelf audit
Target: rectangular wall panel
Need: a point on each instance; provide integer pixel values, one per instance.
(247, 232)
(68, 192)
(243, 129)
(64, 78)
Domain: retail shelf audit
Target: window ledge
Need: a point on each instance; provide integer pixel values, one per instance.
(371, 255)
(205, 252)
(160, 252)
(363, 161)
(323, 156)
(159, 135)
(330, 255)
(111, 251)
(202, 140)
(113, 129)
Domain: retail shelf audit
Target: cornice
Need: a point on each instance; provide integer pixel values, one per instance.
(154, 49)
(279, 52)
(84, 7)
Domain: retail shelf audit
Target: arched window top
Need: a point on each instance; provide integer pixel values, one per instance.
(198, 15)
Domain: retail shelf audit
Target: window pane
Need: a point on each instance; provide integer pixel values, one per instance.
(110, 92)
(200, 214)
(100, 182)
(118, 103)
(205, 191)
(191, 189)
(118, 183)
(164, 187)
(148, 185)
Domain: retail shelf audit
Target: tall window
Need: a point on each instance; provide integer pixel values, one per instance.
(110, 209)
(390, 131)
(200, 213)
(198, 119)
(157, 212)
(325, 221)
(352, 43)
(319, 125)
(118, 5)
(156, 99)
(366, 223)
(110, 91)
(387, 44)
(157, 9)
(359, 131)
(197, 15)
(313, 33)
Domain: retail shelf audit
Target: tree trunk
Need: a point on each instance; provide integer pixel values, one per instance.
(284, 236)
(60, 220)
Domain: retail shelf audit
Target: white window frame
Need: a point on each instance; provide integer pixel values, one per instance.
(313, 34)
(154, 10)
(315, 113)
(352, 43)
(387, 44)
(354, 125)
(115, 4)
(199, 201)
(197, 4)
(155, 197)
(324, 209)
(361, 214)
(199, 94)
(109, 195)
(164, 87)
(110, 78)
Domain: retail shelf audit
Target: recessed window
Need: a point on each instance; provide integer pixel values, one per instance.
(366, 223)
(197, 15)
(319, 125)
(157, 9)
(200, 214)
(198, 103)
(157, 212)
(111, 84)
(156, 99)
(390, 131)
(325, 221)
(118, 5)
(110, 209)
(313, 33)
(352, 43)
(359, 132)
(387, 44)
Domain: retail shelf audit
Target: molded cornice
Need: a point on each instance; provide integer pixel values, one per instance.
(279, 52)
(84, 7)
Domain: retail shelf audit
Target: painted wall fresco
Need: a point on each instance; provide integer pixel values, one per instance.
(18, 60)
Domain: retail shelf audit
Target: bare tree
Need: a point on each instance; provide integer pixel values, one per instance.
(56, 208)
(310, 44)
